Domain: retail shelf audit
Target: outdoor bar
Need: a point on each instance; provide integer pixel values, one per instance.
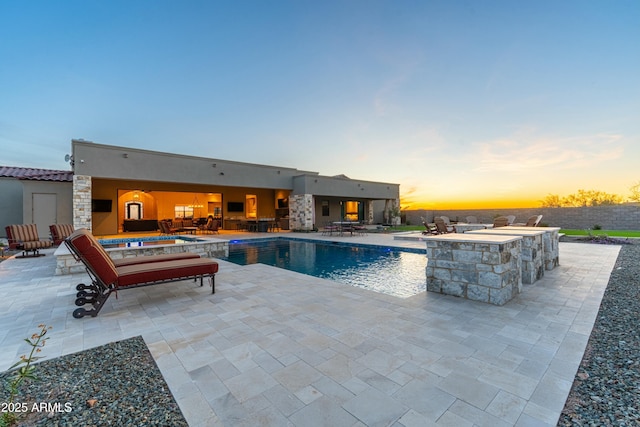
(550, 240)
(532, 249)
(483, 268)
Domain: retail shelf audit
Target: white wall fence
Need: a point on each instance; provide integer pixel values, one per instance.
(616, 217)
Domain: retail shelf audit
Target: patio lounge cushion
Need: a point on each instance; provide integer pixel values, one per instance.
(161, 271)
(139, 270)
(94, 255)
(108, 278)
(154, 258)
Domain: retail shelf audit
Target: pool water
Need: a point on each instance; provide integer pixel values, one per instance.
(388, 270)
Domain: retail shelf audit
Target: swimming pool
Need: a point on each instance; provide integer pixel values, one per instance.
(392, 271)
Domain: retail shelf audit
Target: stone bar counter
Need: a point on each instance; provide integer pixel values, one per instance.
(477, 267)
(463, 227)
(532, 249)
(550, 241)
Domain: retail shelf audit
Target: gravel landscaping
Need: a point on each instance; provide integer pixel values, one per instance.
(606, 390)
(115, 384)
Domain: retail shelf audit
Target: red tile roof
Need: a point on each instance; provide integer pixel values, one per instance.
(36, 174)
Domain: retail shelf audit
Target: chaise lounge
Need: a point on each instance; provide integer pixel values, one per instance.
(25, 237)
(108, 276)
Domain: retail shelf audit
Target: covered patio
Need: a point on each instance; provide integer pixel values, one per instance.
(272, 347)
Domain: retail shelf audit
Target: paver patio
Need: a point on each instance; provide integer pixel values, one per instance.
(274, 347)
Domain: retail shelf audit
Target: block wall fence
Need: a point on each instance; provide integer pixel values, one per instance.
(617, 217)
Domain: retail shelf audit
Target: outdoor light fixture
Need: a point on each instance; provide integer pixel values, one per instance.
(221, 173)
(125, 155)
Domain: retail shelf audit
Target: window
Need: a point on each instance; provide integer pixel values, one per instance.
(351, 210)
(325, 208)
(183, 211)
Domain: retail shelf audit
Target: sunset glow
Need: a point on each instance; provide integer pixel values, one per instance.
(464, 104)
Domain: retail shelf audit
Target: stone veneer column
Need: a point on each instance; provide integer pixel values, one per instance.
(81, 201)
(369, 211)
(301, 212)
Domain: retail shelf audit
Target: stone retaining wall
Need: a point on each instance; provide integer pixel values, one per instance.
(616, 217)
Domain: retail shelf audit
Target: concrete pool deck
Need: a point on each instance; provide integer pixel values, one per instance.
(274, 347)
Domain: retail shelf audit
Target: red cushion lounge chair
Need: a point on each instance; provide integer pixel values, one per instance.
(25, 237)
(59, 232)
(107, 277)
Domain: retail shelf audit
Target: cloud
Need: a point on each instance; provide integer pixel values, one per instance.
(524, 154)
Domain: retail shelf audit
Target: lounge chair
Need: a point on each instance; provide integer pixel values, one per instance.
(25, 237)
(167, 228)
(107, 277)
(533, 221)
(442, 227)
(59, 232)
(446, 220)
(510, 219)
(210, 226)
(501, 221)
(429, 228)
(472, 219)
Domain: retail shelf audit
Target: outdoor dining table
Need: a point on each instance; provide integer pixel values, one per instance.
(345, 226)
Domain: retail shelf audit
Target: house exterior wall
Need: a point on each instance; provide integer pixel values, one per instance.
(112, 162)
(113, 168)
(10, 203)
(64, 196)
(16, 203)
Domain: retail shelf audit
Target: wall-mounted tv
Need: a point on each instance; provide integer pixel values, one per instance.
(100, 205)
(235, 207)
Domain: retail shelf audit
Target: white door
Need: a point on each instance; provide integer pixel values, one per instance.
(44, 209)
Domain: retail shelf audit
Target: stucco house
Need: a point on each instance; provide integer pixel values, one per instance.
(35, 196)
(118, 189)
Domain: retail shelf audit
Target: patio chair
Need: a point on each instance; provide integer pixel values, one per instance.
(108, 278)
(442, 226)
(446, 220)
(167, 228)
(472, 219)
(359, 229)
(501, 221)
(510, 219)
(25, 237)
(210, 226)
(59, 232)
(533, 221)
(429, 228)
(330, 228)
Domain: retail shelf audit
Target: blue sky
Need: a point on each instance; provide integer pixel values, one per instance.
(461, 102)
